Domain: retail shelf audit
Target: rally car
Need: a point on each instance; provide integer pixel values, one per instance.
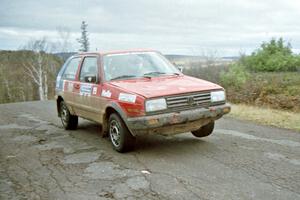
(137, 92)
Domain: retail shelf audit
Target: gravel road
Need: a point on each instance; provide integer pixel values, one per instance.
(240, 160)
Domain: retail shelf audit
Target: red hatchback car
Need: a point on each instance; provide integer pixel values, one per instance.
(132, 93)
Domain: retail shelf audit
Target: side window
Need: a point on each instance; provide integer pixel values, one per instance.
(71, 69)
(88, 68)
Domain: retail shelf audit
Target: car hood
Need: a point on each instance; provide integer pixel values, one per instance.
(165, 85)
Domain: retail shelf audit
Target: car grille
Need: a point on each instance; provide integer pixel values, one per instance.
(187, 101)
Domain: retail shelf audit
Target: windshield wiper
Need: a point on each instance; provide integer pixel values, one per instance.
(153, 73)
(177, 74)
(122, 77)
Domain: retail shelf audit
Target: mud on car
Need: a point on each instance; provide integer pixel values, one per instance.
(132, 93)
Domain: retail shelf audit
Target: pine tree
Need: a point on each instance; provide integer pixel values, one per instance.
(84, 40)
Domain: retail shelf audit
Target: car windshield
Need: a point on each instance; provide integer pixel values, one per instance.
(136, 65)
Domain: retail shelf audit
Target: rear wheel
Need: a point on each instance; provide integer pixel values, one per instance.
(69, 121)
(120, 137)
(204, 130)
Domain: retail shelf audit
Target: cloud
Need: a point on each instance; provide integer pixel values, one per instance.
(172, 26)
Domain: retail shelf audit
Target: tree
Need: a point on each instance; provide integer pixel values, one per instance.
(274, 55)
(4, 77)
(40, 65)
(84, 40)
(14, 85)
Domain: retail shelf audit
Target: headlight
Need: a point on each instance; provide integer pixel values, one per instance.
(217, 96)
(155, 105)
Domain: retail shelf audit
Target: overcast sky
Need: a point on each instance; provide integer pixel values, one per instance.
(193, 27)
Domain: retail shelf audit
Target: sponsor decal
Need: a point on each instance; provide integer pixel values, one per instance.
(106, 93)
(95, 89)
(127, 97)
(70, 86)
(85, 89)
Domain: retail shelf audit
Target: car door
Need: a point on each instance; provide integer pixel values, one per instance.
(69, 79)
(87, 88)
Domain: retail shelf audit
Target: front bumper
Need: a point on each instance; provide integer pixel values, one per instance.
(176, 122)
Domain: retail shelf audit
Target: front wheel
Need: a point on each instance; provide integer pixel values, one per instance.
(120, 137)
(69, 121)
(204, 130)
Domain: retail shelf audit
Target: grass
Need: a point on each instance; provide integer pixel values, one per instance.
(266, 116)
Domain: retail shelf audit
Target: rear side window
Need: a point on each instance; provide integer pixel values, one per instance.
(89, 67)
(71, 69)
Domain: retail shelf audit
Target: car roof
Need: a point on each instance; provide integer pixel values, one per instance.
(116, 52)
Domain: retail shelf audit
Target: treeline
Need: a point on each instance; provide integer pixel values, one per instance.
(269, 77)
(27, 75)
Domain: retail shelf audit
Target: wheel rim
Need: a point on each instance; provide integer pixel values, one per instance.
(114, 132)
(64, 115)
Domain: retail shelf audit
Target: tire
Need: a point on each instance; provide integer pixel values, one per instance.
(119, 135)
(68, 121)
(204, 130)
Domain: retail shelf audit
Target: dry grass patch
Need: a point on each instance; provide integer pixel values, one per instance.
(266, 116)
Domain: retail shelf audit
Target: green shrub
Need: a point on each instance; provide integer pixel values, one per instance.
(235, 77)
(273, 56)
(280, 90)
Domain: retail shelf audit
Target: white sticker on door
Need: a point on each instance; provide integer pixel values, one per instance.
(106, 93)
(85, 89)
(70, 87)
(95, 89)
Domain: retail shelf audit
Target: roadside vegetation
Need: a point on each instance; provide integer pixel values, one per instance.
(269, 77)
(29, 74)
(264, 86)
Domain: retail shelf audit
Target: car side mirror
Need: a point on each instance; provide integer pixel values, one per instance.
(90, 78)
(180, 68)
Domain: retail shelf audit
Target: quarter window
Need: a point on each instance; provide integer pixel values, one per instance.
(89, 68)
(71, 69)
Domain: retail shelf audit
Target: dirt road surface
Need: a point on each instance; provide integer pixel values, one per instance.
(241, 160)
